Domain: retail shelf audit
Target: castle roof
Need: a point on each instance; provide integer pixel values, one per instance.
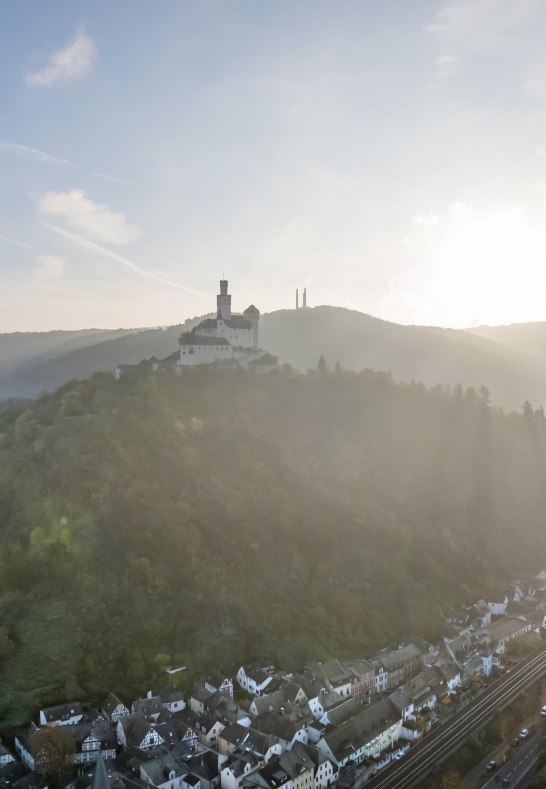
(195, 339)
(252, 310)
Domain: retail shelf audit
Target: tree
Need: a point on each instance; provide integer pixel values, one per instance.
(322, 367)
(485, 395)
(452, 780)
(53, 750)
(528, 410)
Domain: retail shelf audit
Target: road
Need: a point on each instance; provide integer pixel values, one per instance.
(521, 762)
(427, 755)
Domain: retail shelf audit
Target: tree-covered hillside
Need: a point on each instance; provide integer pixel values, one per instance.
(358, 341)
(217, 517)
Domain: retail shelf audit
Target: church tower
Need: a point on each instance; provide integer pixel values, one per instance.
(223, 301)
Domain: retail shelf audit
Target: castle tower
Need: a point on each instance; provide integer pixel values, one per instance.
(297, 298)
(223, 301)
(305, 297)
(252, 314)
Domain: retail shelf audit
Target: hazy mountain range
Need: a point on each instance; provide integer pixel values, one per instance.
(508, 360)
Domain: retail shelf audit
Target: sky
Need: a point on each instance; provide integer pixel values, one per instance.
(390, 157)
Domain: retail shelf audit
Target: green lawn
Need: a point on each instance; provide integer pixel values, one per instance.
(38, 670)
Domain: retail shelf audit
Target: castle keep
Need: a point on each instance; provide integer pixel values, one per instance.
(227, 340)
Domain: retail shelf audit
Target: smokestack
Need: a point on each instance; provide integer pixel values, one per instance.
(297, 298)
(305, 297)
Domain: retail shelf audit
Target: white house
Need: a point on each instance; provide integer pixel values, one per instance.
(235, 769)
(5, 756)
(62, 715)
(254, 680)
(375, 730)
(113, 709)
(138, 732)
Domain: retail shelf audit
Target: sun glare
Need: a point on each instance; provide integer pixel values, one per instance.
(491, 269)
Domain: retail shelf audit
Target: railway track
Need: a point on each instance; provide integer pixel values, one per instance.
(443, 742)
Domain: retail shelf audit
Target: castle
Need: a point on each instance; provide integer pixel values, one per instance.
(227, 340)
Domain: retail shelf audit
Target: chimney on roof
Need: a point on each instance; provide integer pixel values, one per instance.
(304, 297)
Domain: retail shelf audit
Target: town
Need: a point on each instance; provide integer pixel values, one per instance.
(335, 723)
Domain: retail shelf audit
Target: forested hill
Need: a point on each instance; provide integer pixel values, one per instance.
(508, 363)
(217, 517)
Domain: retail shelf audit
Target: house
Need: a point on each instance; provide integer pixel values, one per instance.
(374, 730)
(333, 676)
(62, 715)
(293, 693)
(171, 700)
(205, 766)
(149, 708)
(299, 766)
(270, 702)
(165, 772)
(219, 682)
(254, 680)
(178, 730)
(507, 629)
(132, 730)
(400, 664)
(92, 740)
(113, 709)
(5, 756)
(23, 745)
(326, 772)
(473, 653)
(497, 602)
(337, 715)
(420, 694)
(381, 677)
(286, 728)
(209, 729)
(271, 776)
(235, 769)
(523, 590)
(362, 675)
(237, 739)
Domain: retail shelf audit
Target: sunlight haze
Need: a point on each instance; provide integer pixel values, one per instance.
(390, 157)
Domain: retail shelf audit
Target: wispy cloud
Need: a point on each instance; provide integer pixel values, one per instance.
(17, 149)
(462, 27)
(124, 261)
(72, 62)
(114, 178)
(26, 151)
(94, 221)
(22, 244)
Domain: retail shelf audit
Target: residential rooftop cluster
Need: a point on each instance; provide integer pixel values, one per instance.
(333, 723)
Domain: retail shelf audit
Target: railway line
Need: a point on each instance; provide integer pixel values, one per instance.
(442, 743)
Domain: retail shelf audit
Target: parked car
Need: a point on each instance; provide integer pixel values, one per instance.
(491, 765)
(399, 755)
(523, 734)
(543, 711)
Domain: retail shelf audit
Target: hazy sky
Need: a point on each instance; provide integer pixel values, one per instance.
(390, 156)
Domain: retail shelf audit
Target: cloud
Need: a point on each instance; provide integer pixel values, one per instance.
(50, 269)
(91, 246)
(65, 65)
(94, 221)
(464, 27)
(22, 244)
(114, 178)
(18, 149)
(33, 153)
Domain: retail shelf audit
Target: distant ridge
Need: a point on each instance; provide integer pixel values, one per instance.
(508, 360)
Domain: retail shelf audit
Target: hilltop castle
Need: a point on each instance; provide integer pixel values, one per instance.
(227, 340)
